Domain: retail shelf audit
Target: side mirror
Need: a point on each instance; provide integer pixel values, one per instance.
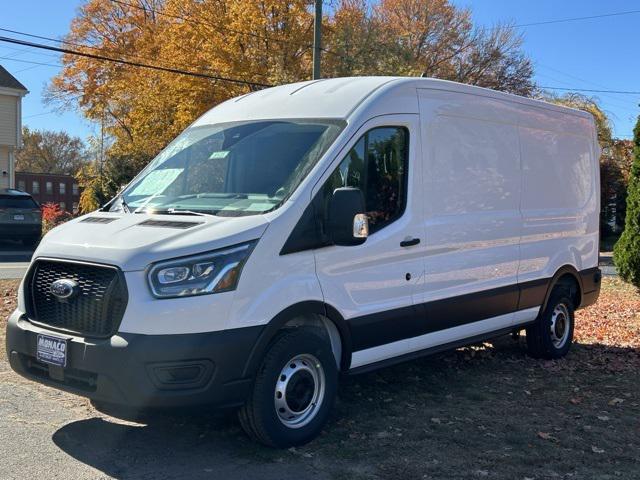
(348, 224)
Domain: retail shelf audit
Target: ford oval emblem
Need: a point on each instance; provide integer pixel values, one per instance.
(64, 288)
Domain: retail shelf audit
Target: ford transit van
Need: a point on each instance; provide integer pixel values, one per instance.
(310, 230)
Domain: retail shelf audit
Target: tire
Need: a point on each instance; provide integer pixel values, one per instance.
(552, 334)
(294, 390)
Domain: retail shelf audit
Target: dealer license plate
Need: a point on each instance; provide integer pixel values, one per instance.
(52, 350)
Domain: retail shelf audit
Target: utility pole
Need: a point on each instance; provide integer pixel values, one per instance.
(317, 39)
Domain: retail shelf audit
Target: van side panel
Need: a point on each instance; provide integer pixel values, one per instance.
(560, 194)
(472, 195)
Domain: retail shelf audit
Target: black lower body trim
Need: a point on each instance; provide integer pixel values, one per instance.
(143, 371)
(591, 280)
(381, 328)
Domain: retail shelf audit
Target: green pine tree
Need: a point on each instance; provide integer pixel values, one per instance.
(626, 253)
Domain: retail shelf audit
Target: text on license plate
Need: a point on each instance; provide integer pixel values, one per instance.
(18, 217)
(52, 350)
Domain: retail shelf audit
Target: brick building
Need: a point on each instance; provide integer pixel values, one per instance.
(50, 188)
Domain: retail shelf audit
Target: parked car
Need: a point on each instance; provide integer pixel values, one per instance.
(20, 217)
(316, 229)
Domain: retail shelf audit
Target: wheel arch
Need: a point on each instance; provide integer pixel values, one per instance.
(292, 315)
(566, 274)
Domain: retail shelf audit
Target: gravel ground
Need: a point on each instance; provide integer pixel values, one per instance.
(486, 411)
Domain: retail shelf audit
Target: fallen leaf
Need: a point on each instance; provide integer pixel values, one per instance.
(615, 401)
(575, 401)
(546, 436)
(604, 418)
(595, 449)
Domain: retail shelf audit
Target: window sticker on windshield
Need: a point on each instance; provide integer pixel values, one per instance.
(260, 206)
(219, 154)
(156, 181)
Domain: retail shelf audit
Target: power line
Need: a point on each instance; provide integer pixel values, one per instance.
(620, 92)
(28, 61)
(130, 63)
(80, 45)
(38, 115)
(576, 19)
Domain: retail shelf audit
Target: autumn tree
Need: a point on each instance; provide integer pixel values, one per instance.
(46, 151)
(266, 42)
(430, 38)
(626, 253)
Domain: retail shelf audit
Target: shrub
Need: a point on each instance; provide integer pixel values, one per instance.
(52, 216)
(626, 253)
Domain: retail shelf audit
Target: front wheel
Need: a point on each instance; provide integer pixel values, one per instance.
(551, 336)
(293, 392)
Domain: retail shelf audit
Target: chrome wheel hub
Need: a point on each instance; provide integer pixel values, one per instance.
(299, 391)
(560, 325)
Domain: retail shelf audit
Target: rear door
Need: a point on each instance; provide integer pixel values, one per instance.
(375, 285)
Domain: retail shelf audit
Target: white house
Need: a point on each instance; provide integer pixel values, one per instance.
(11, 93)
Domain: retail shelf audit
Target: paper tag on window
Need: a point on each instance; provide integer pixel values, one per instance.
(219, 154)
(156, 181)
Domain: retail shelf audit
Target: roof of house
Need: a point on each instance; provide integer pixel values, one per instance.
(9, 81)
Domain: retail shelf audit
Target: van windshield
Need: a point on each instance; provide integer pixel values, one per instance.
(231, 169)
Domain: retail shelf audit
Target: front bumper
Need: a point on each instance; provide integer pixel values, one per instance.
(142, 371)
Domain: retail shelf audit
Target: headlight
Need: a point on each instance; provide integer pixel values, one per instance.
(213, 272)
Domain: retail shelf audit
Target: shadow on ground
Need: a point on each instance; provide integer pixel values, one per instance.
(486, 411)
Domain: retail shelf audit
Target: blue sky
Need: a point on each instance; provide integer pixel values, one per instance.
(588, 54)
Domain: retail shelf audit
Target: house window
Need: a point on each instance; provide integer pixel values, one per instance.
(63, 206)
(22, 185)
(76, 189)
(35, 187)
(63, 188)
(49, 188)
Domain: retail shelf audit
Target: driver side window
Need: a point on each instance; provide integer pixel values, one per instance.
(377, 165)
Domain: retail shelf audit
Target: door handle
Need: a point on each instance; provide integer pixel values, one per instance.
(410, 242)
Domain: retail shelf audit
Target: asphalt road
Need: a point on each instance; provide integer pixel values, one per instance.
(47, 434)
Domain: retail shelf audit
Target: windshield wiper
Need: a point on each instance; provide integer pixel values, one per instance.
(124, 205)
(213, 195)
(177, 211)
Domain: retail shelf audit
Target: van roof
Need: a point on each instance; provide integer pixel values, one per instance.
(340, 97)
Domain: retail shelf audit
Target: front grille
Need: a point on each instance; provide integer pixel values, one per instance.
(97, 308)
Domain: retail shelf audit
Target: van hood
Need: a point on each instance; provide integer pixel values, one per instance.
(133, 241)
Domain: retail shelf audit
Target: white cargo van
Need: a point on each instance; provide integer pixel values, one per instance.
(313, 229)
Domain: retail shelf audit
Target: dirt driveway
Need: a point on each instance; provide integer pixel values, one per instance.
(482, 412)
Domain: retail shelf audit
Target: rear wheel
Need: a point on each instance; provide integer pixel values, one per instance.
(294, 390)
(551, 336)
